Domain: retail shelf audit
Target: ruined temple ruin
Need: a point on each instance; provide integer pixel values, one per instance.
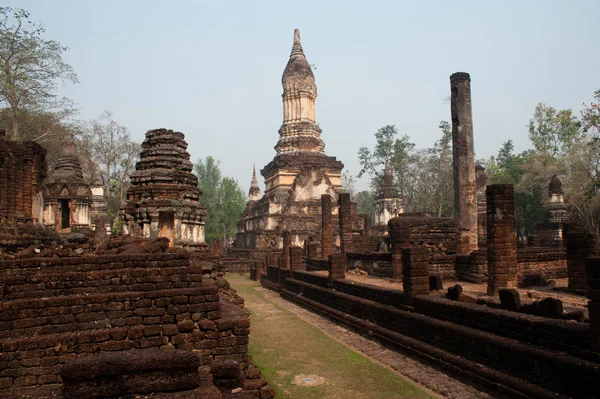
(22, 174)
(388, 203)
(67, 199)
(164, 199)
(300, 172)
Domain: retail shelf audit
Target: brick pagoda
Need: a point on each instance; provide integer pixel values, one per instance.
(164, 198)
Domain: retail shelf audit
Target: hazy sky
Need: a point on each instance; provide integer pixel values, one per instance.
(212, 69)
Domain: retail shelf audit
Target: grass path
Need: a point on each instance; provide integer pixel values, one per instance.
(285, 347)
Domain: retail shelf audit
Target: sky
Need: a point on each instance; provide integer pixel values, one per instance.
(212, 69)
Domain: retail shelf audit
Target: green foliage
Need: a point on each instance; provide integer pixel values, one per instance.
(348, 183)
(509, 168)
(389, 148)
(117, 227)
(590, 117)
(365, 203)
(554, 131)
(176, 204)
(223, 198)
(432, 176)
(30, 67)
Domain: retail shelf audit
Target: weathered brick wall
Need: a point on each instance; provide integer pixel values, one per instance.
(56, 309)
(375, 263)
(550, 263)
(580, 246)
(326, 226)
(22, 171)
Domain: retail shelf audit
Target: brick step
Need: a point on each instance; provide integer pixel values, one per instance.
(71, 313)
(45, 283)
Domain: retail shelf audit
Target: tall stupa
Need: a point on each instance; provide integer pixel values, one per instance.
(300, 172)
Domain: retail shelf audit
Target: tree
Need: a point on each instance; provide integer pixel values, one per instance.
(223, 198)
(590, 116)
(398, 152)
(111, 147)
(554, 131)
(582, 184)
(365, 203)
(348, 183)
(433, 176)
(30, 67)
(232, 200)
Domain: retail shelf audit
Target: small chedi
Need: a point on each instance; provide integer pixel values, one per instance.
(550, 233)
(67, 199)
(388, 203)
(164, 199)
(300, 172)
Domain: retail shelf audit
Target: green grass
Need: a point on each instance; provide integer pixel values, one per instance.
(282, 345)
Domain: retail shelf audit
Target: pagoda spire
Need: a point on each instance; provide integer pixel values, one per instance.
(299, 132)
(254, 192)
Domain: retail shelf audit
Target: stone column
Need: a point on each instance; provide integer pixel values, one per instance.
(501, 238)
(593, 282)
(312, 249)
(345, 223)
(337, 266)
(580, 246)
(465, 198)
(296, 259)
(399, 239)
(285, 258)
(415, 272)
(326, 227)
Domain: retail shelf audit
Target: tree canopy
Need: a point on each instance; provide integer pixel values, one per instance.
(30, 67)
(223, 198)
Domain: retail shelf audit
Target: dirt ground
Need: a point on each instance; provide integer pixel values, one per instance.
(528, 294)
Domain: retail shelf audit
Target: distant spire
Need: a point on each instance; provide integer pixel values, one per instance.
(254, 192)
(254, 180)
(297, 47)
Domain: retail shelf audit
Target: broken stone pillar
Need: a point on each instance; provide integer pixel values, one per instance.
(415, 272)
(296, 259)
(465, 198)
(285, 259)
(312, 250)
(337, 267)
(399, 239)
(580, 246)
(481, 183)
(593, 281)
(501, 238)
(345, 223)
(326, 227)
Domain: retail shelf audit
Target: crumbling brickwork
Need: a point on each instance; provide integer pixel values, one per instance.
(22, 172)
(593, 282)
(58, 309)
(164, 199)
(326, 226)
(415, 272)
(345, 223)
(501, 238)
(337, 267)
(580, 246)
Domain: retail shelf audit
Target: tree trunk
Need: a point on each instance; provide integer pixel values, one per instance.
(14, 125)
